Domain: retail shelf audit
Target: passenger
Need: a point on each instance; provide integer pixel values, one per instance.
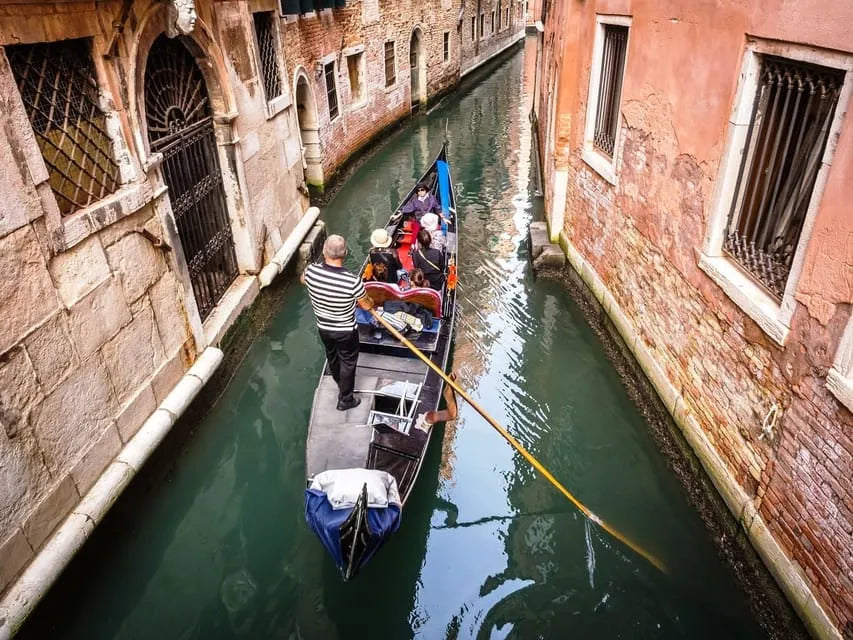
(429, 260)
(384, 259)
(423, 202)
(418, 279)
(429, 221)
(334, 293)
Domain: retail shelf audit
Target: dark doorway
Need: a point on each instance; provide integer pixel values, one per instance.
(180, 126)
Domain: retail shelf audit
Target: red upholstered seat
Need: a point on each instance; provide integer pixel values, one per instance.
(428, 298)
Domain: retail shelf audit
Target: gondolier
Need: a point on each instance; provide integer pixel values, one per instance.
(334, 293)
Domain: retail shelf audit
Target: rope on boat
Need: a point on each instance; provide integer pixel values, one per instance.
(518, 447)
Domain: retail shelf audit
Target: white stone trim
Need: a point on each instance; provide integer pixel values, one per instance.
(601, 164)
(34, 583)
(839, 380)
(771, 315)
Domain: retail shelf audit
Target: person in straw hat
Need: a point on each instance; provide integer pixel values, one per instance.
(383, 257)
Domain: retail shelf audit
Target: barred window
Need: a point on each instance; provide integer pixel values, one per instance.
(59, 88)
(482, 22)
(390, 71)
(331, 90)
(493, 21)
(268, 52)
(473, 28)
(446, 46)
(610, 87)
(791, 116)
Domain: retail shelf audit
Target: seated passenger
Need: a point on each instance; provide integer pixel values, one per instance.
(429, 221)
(423, 202)
(418, 279)
(383, 258)
(429, 260)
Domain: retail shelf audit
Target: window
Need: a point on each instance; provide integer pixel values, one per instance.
(390, 71)
(605, 94)
(482, 23)
(473, 28)
(499, 18)
(446, 46)
(793, 109)
(782, 133)
(355, 70)
(268, 52)
(493, 21)
(331, 90)
(506, 19)
(59, 89)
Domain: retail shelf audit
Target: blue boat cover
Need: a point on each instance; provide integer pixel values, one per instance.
(326, 523)
(444, 185)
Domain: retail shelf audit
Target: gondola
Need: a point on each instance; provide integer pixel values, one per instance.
(362, 464)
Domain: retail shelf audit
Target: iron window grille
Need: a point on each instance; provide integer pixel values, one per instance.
(390, 73)
(610, 87)
(446, 46)
(268, 52)
(331, 90)
(791, 116)
(59, 89)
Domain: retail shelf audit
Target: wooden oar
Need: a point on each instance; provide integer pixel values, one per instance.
(518, 447)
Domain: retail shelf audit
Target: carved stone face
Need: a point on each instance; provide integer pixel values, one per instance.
(182, 17)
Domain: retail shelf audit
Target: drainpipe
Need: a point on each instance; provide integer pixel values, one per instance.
(67, 540)
(285, 253)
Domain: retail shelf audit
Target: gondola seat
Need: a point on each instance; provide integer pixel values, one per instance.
(381, 292)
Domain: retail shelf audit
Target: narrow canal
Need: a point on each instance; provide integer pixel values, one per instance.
(219, 549)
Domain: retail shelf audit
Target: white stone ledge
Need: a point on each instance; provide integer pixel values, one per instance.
(239, 296)
(39, 576)
(289, 248)
(782, 567)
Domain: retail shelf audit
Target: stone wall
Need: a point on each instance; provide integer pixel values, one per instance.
(364, 27)
(478, 47)
(642, 238)
(99, 320)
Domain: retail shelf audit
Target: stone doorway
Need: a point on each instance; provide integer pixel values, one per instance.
(417, 65)
(180, 126)
(309, 132)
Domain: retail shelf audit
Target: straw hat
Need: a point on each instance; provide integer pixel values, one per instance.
(380, 238)
(429, 221)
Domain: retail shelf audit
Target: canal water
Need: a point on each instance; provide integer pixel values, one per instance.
(218, 548)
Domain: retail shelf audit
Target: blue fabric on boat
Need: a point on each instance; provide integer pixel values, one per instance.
(326, 523)
(443, 185)
(364, 317)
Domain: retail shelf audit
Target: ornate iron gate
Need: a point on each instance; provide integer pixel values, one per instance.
(180, 126)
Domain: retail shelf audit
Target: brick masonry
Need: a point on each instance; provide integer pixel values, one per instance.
(728, 372)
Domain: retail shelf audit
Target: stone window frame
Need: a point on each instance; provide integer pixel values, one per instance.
(839, 380)
(357, 50)
(279, 103)
(493, 22)
(482, 24)
(773, 316)
(600, 163)
(473, 28)
(134, 191)
(446, 47)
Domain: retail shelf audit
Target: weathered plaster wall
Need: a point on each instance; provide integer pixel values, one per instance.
(327, 34)
(476, 50)
(98, 323)
(642, 238)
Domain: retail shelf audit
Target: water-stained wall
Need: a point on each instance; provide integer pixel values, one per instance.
(765, 383)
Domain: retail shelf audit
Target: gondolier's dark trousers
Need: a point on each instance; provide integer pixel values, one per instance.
(342, 356)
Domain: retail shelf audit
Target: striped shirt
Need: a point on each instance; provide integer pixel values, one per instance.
(333, 292)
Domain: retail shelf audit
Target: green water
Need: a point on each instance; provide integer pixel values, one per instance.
(217, 547)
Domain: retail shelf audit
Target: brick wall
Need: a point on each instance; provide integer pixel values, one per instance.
(643, 236)
(478, 48)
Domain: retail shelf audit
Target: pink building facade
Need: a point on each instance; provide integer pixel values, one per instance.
(696, 160)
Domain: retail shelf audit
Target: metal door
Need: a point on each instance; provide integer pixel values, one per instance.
(180, 126)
